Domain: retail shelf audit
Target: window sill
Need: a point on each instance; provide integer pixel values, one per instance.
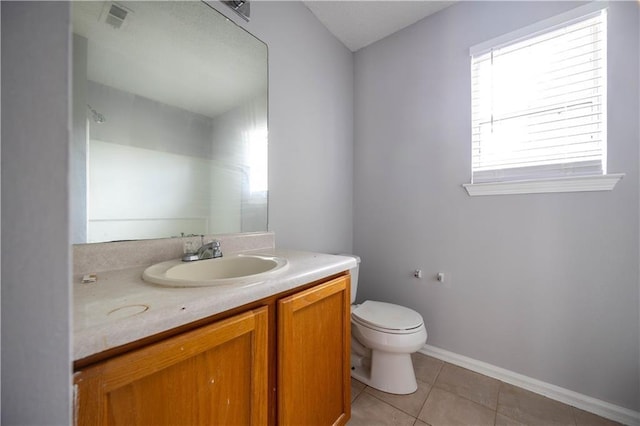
(539, 186)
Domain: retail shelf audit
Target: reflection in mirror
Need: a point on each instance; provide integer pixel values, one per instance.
(169, 122)
(241, 7)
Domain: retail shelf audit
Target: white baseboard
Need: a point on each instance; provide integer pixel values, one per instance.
(566, 396)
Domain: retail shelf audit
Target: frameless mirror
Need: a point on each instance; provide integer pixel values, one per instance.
(169, 122)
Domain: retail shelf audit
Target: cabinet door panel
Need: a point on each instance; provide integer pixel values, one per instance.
(313, 346)
(216, 374)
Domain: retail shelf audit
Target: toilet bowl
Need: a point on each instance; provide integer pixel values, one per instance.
(383, 337)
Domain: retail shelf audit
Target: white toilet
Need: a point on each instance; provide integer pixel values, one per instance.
(383, 337)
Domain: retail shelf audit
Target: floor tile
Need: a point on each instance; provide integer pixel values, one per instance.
(502, 420)
(533, 409)
(410, 404)
(367, 410)
(584, 418)
(356, 388)
(447, 409)
(426, 367)
(471, 385)
(449, 395)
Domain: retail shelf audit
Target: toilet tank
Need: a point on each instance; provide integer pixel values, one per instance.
(354, 276)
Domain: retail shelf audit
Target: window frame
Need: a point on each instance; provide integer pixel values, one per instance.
(591, 182)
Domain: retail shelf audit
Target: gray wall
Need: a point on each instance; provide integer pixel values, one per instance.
(144, 123)
(36, 351)
(311, 127)
(78, 149)
(543, 285)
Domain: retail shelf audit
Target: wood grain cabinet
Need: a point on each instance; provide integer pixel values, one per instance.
(214, 375)
(283, 360)
(313, 356)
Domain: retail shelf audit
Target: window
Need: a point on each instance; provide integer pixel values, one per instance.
(539, 102)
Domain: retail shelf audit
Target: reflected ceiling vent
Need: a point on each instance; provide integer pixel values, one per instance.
(241, 7)
(115, 15)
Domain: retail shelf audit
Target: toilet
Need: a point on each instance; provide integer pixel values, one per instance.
(383, 337)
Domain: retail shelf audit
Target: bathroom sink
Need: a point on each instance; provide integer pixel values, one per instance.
(239, 269)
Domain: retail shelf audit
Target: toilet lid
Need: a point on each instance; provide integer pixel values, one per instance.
(387, 316)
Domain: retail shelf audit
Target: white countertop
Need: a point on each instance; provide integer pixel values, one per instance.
(121, 308)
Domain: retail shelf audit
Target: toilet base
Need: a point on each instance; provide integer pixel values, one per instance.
(385, 371)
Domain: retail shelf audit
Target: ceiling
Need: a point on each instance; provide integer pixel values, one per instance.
(357, 24)
(183, 54)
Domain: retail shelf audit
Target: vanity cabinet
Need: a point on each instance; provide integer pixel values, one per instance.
(213, 375)
(282, 360)
(314, 337)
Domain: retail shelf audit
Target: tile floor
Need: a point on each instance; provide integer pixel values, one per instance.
(449, 395)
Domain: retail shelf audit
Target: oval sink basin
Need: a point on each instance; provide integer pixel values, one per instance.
(232, 270)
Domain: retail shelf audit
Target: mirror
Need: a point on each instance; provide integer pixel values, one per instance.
(169, 122)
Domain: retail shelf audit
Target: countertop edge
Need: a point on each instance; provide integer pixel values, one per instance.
(165, 308)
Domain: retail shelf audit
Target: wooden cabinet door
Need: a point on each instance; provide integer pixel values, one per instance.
(214, 375)
(314, 336)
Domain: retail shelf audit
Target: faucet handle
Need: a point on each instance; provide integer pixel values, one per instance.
(215, 247)
(188, 247)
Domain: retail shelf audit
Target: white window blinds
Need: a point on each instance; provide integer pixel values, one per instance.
(539, 104)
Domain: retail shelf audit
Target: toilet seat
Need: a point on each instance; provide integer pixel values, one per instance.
(387, 317)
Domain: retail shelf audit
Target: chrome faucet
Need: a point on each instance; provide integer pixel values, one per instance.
(210, 250)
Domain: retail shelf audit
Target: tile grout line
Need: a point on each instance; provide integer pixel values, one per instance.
(502, 385)
(431, 387)
(415, 418)
(495, 410)
(573, 414)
